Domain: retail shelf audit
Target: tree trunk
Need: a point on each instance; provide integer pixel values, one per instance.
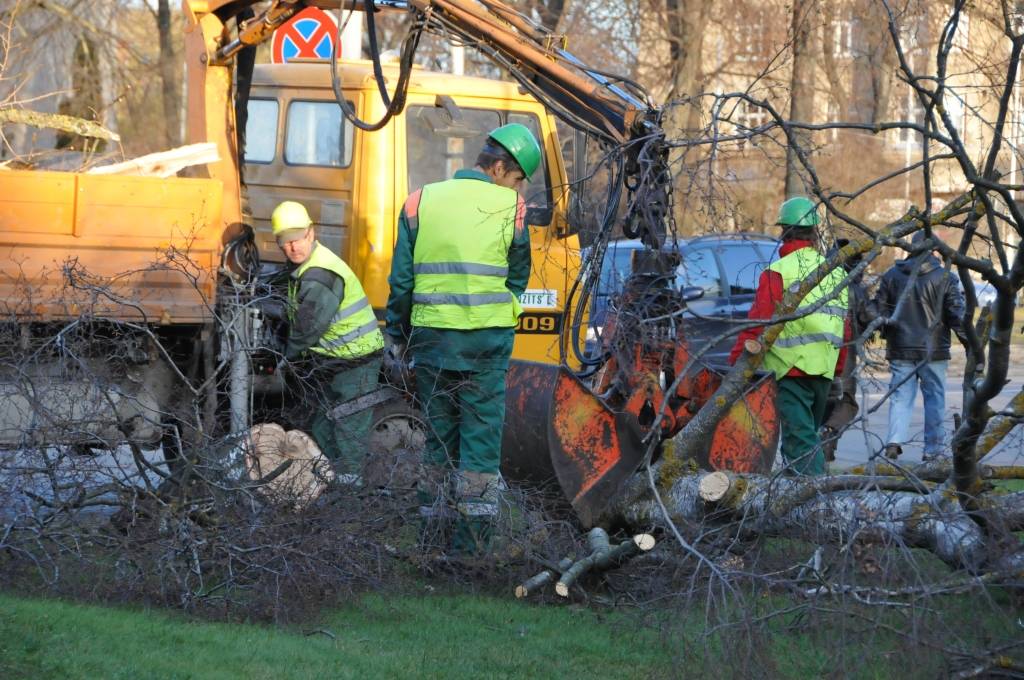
(802, 81)
(168, 75)
(891, 510)
(687, 22)
(551, 12)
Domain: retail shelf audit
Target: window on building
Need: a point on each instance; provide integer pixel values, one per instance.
(954, 104)
(910, 110)
(750, 43)
(749, 116)
(842, 38)
(961, 39)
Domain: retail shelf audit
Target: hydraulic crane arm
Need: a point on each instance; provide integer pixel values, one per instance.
(606, 107)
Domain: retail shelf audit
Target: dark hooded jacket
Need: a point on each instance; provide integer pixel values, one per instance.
(930, 311)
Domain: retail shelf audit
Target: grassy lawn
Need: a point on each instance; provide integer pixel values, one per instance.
(470, 636)
(458, 636)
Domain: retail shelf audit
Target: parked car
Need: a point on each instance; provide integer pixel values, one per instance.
(726, 267)
(985, 292)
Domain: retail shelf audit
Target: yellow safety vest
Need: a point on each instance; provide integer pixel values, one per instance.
(810, 343)
(464, 228)
(354, 331)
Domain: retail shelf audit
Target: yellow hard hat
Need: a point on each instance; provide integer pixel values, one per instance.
(288, 216)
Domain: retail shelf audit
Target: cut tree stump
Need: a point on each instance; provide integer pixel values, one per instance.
(286, 467)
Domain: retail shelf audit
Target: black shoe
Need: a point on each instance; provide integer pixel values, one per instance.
(893, 451)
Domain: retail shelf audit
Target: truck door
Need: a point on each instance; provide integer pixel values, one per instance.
(299, 147)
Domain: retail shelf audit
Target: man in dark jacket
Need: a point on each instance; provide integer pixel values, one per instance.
(922, 303)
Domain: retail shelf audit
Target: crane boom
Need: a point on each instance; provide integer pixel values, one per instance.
(586, 98)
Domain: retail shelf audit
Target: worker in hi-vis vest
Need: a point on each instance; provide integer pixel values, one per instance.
(811, 349)
(335, 347)
(461, 263)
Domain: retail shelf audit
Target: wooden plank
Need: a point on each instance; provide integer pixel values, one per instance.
(163, 163)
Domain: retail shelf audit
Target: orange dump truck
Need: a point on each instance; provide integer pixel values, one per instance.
(132, 298)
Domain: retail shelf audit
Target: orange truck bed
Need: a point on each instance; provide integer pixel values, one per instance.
(140, 249)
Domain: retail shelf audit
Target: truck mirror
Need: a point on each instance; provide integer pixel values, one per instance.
(443, 101)
(691, 293)
(577, 169)
(538, 215)
(446, 119)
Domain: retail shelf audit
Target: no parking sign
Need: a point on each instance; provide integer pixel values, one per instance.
(307, 35)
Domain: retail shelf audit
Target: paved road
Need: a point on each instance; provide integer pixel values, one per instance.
(868, 437)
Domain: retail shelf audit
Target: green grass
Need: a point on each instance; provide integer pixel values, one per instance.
(459, 636)
(473, 636)
(1010, 485)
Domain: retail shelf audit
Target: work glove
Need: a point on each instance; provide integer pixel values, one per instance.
(397, 370)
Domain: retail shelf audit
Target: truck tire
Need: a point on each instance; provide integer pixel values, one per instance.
(395, 445)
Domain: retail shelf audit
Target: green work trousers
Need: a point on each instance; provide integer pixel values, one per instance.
(801, 406)
(465, 411)
(343, 441)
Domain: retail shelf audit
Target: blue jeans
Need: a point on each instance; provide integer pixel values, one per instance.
(903, 384)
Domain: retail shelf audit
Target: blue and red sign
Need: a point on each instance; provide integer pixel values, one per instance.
(307, 35)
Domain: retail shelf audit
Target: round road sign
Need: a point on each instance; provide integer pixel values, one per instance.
(307, 35)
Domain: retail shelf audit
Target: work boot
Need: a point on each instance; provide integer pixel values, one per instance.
(893, 451)
(477, 495)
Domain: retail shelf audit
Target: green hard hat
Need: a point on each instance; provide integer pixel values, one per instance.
(798, 211)
(521, 144)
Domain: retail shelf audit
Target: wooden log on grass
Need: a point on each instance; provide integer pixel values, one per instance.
(535, 583)
(602, 556)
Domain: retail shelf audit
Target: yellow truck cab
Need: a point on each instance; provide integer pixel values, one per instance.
(299, 146)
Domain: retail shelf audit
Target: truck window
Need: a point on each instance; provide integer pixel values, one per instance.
(537, 191)
(438, 146)
(261, 131)
(317, 134)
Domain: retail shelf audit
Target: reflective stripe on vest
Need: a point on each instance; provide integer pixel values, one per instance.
(353, 331)
(464, 228)
(810, 343)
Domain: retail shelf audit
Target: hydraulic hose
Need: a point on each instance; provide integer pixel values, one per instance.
(395, 105)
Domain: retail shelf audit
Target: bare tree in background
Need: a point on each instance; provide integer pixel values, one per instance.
(169, 70)
(803, 81)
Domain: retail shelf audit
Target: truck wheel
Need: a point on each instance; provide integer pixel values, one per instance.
(397, 439)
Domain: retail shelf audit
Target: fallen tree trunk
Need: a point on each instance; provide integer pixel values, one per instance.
(899, 510)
